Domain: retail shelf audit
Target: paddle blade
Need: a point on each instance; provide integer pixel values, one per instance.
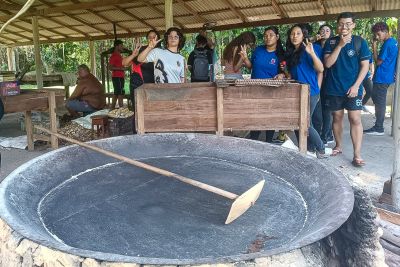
(244, 202)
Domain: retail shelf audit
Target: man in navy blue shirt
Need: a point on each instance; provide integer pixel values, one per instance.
(347, 59)
(384, 75)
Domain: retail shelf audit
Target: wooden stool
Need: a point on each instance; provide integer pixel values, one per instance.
(101, 123)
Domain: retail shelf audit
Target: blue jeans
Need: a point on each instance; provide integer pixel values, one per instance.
(314, 141)
(379, 93)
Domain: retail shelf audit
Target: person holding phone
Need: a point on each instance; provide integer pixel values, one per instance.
(384, 75)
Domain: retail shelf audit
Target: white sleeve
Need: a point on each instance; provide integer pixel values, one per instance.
(182, 74)
(153, 55)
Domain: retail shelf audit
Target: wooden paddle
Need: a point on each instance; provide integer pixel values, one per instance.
(241, 202)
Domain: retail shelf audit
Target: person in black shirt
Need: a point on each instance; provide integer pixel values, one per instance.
(200, 61)
(141, 72)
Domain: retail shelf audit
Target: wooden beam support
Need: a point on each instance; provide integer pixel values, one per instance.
(232, 7)
(10, 59)
(38, 59)
(278, 9)
(135, 17)
(92, 53)
(169, 14)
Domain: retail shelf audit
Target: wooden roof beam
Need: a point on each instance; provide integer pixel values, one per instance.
(191, 10)
(9, 5)
(58, 21)
(162, 13)
(109, 21)
(278, 9)
(322, 6)
(74, 17)
(135, 17)
(374, 5)
(234, 10)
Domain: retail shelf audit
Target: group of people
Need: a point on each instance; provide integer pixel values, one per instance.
(339, 69)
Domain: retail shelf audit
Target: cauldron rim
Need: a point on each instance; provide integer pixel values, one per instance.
(347, 201)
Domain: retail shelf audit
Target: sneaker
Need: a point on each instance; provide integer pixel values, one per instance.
(374, 131)
(366, 109)
(321, 154)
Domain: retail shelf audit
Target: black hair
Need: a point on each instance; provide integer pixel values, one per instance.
(319, 29)
(308, 27)
(84, 67)
(156, 32)
(346, 15)
(158, 37)
(201, 40)
(380, 26)
(117, 42)
(279, 52)
(180, 34)
(292, 55)
(243, 39)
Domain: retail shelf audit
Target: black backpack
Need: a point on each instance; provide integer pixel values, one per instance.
(200, 69)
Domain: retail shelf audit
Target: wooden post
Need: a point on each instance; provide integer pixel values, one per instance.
(395, 192)
(220, 111)
(139, 110)
(92, 57)
(10, 59)
(169, 15)
(29, 129)
(38, 60)
(53, 118)
(304, 117)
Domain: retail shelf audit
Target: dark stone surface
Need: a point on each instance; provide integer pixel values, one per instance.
(87, 204)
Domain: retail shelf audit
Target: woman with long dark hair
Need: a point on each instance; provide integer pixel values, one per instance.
(265, 64)
(169, 65)
(232, 58)
(304, 63)
(322, 118)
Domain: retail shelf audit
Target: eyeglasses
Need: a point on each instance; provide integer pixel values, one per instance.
(347, 25)
(176, 37)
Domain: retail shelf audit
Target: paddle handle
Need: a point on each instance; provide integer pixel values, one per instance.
(148, 167)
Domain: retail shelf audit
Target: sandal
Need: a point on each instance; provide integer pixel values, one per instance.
(336, 151)
(358, 162)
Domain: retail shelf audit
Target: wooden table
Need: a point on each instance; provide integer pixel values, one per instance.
(39, 100)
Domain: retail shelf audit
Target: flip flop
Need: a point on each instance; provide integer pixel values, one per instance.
(358, 162)
(336, 151)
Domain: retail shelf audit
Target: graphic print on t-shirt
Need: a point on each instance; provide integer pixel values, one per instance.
(160, 76)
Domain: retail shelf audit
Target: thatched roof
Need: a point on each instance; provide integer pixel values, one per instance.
(77, 20)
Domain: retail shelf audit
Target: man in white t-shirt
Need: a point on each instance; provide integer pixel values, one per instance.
(169, 65)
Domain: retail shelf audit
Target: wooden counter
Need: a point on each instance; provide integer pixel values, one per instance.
(199, 107)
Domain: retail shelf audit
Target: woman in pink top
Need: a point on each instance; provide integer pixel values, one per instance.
(232, 60)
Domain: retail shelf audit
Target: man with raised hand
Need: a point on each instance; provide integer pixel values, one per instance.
(346, 59)
(384, 74)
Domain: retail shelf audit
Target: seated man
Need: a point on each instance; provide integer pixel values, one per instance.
(88, 95)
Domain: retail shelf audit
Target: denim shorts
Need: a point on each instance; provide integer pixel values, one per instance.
(79, 106)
